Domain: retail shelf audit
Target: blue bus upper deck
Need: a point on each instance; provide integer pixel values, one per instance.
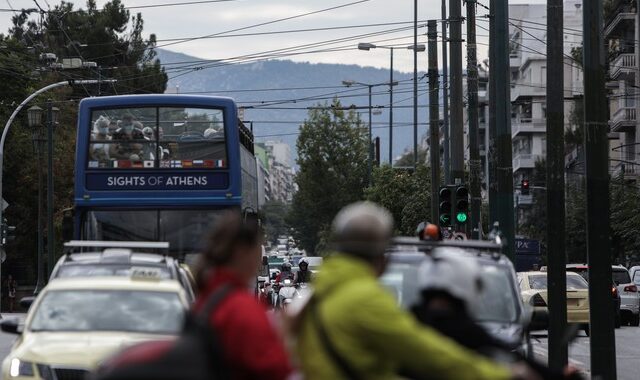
(160, 167)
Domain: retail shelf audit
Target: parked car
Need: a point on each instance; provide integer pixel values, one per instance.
(502, 312)
(634, 273)
(533, 287)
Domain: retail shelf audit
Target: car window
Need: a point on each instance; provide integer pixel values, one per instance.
(621, 276)
(109, 310)
(109, 270)
(576, 283)
(636, 277)
(539, 282)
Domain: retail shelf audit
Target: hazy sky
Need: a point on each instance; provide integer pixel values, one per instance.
(194, 20)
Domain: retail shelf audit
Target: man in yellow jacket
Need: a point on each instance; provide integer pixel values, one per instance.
(353, 329)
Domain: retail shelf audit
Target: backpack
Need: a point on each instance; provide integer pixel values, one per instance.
(196, 355)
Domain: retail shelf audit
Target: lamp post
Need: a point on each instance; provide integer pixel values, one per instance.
(367, 47)
(34, 116)
(52, 119)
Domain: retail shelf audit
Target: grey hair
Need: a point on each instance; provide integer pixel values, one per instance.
(101, 122)
(362, 228)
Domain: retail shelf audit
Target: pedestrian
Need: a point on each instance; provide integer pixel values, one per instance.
(12, 288)
(352, 328)
(232, 257)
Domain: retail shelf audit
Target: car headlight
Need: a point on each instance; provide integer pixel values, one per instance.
(20, 368)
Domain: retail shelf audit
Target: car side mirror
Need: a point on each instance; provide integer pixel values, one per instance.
(26, 302)
(11, 326)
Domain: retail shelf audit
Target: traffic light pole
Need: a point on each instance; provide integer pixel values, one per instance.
(596, 143)
(472, 110)
(434, 116)
(556, 256)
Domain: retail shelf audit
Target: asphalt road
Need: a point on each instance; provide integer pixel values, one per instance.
(627, 351)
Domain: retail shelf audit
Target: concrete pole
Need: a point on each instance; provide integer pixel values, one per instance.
(457, 135)
(434, 118)
(445, 97)
(472, 110)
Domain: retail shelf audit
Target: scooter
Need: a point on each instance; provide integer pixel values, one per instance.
(286, 294)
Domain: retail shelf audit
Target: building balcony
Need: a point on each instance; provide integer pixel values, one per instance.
(524, 161)
(527, 125)
(629, 170)
(623, 66)
(623, 17)
(623, 120)
(527, 90)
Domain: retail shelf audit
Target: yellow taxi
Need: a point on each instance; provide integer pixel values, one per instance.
(533, 288)
(75, 323)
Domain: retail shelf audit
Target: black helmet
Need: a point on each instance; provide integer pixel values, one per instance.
(286, 267)
(303, 262)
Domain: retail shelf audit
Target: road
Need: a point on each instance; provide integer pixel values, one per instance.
(627, 351)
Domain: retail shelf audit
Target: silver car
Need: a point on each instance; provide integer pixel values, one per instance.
(629, 301)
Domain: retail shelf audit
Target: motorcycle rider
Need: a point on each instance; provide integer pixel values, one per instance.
(304, 274)
(285, 273)
(351, 327)
(452, 287)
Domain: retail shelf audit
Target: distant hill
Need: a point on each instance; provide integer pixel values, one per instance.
(282, 124)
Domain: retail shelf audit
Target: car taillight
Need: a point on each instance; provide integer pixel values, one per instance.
(614, 292)
(537, 300)
(631, 288)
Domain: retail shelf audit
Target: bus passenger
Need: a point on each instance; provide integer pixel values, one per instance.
(150, 147)
(113, 127)
(100, 151)
(127, 132)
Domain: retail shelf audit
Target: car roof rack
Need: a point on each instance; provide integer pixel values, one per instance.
(430, 244)
(91, 245)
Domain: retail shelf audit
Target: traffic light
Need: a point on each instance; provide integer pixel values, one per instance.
(7, 232)
(524, 187)
(444, 218)
(462, 204)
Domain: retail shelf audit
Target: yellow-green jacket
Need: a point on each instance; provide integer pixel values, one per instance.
(374, 335)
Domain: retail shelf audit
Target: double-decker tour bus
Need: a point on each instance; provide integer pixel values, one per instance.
(160, 168)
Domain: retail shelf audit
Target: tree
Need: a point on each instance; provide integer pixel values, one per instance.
(332, 160)
(275, 213)
(112, 38)
(407, 195)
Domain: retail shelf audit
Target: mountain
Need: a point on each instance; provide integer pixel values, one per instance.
(288, 84)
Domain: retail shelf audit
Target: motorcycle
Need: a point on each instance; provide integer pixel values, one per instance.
(286, 294)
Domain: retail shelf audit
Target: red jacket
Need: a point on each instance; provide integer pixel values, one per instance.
(253, 349)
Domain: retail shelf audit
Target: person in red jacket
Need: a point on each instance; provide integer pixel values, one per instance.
(232, 256)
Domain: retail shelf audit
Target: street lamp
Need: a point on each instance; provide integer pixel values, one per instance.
(365, 46)
(34, 117)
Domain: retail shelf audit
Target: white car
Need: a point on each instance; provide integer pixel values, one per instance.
(629, 300)
(75, 323)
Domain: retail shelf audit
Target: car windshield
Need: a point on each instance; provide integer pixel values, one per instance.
(621, 276)
(499, 298)
(109, 310)
(96, 270)
(539, 282)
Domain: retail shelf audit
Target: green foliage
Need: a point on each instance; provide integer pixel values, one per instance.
(624, 219)
(574, 135)
(332, 159)
(114, 41)
(575, 223)
(275, 213)
(576, 55)
(406, 160)
(405, 194)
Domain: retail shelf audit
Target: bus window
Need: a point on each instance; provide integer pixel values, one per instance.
(192, 137)
(157, 137)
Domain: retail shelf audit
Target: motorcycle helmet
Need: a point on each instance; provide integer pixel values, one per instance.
(303, 262)
(452, 271)
(286, 267)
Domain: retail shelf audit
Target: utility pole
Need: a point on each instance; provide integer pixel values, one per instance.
(445, 95)
(557, 279)
(492, 182)
(434, 117)
(457, 138)
(503, 126)
(472, 109)
(415, 84)
(596, 144)
(391, 109)
(50, 227)
(370, 142)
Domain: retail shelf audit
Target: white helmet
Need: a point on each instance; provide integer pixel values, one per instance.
(451, 270)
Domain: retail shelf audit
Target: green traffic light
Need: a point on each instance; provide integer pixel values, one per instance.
(461, 217)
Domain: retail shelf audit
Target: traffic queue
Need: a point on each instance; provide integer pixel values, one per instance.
(378, 308)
